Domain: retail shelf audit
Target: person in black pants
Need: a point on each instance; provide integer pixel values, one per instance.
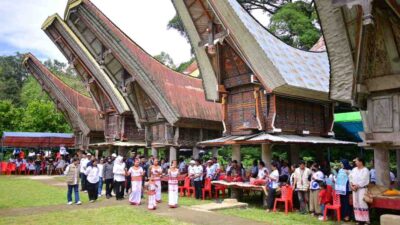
(108, 176)
(92, 177)
(198, 178)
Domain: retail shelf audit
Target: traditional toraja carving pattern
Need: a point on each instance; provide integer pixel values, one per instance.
(263, 82)
(164, 99)
(376, 50)
(119, 119)
(78, 109)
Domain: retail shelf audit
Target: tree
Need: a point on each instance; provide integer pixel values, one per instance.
(31, 90)
(165, 59)
(42, 116)
(176, 24)
(269, 6)
(12, 76)
(9, 116)
(294, 24)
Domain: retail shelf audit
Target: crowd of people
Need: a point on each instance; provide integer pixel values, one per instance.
(314, 186)
(133, 177)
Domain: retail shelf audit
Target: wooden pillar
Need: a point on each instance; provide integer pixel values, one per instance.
(381, 165)
(154, 152)
(110, 150)
(398, 165)
(196, 153)
(236, 153)
(294, 156)
(266, 155)
(146, 152)
(214, 152)
(96, 153)
(319, 153)
(172, 153)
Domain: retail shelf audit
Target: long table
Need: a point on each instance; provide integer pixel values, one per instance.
(386, 202)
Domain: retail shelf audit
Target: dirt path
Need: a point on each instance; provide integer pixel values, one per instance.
(184, 214)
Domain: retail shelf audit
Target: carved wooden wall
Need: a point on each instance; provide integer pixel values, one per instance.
(250, 109)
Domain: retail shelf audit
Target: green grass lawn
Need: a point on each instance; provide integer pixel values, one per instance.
(280, 218)
(104, 215)
(17, 192)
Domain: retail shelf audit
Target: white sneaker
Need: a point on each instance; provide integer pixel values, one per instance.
(79, 203)
(85, 191)
(91, 201)
(69, 203)
(99, 196)
(321, 218)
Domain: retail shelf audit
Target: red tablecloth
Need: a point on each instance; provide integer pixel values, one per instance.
(386, 202)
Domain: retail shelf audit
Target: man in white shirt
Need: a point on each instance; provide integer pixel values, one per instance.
(302, 185)
(83, 164)
(191, 168)
(197, 178)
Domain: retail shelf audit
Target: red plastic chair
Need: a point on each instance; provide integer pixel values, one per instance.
(22, 169)
(219, 188)
(186, 189)
(207, 188)
(11, 167)
(3, 167)
(286, 197)
(335, 206)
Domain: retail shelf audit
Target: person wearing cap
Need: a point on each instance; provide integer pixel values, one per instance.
(108, 176)
(83, 164)
(302, 184)
(190, 168)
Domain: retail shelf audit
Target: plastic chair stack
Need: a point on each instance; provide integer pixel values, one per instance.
(186, 189)
(11, 167)
(335, 206)
(286, 197)
(207, 188)
(3, 167)
(22, 169)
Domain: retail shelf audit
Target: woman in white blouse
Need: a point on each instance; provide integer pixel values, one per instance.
(359, 179)
(92, 176)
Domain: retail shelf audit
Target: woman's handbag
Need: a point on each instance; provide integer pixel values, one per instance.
(368, 198)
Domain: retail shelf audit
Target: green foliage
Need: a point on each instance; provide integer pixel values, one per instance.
(41, 116)
(176, 24)
(12, 76)
(9, 116)
(183, 66)
(23, 104)
(294, 24)
(31, 90)
(270, 6)
(165, 59)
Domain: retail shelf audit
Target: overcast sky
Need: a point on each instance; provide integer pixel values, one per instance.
(145, 21)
